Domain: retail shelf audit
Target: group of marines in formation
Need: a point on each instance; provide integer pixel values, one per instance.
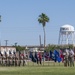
(17, 59)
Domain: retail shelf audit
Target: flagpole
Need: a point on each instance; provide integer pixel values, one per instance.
(0, 46)
(0, 42)
(0, 35)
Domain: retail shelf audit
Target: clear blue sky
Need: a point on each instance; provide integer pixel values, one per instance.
(19, 20)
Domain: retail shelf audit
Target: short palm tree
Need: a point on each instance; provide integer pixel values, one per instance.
(43, 19)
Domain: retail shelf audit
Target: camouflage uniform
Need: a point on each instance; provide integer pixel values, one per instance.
(71, 58)
(66, 58)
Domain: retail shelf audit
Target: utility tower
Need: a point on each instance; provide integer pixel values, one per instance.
(66, 35)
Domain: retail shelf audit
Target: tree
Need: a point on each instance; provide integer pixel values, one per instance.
(18, 47)
(43, 19)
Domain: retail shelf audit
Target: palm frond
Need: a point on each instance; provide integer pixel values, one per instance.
(43, 19)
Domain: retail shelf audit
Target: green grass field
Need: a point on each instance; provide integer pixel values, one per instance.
(38, 70)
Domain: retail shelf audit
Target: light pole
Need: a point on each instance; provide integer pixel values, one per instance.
(15, 45)
(6, 41)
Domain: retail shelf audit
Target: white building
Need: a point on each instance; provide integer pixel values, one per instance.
(6, 49)
(33, 49)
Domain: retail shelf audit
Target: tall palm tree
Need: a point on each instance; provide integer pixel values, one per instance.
(43, 18)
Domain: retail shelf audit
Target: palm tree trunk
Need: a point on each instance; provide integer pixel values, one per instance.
(44, 37)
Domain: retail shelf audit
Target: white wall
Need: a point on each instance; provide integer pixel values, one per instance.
(7, 49)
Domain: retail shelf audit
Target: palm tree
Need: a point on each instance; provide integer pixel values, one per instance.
(43, 19)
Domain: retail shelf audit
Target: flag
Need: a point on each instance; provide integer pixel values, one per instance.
(61, 55)
(36, 57)
(57, 56)
(40, 57)
(32, 57)
(59, 59)
(46, 55)
(0, 52)
(51, 55)
(9, 52)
